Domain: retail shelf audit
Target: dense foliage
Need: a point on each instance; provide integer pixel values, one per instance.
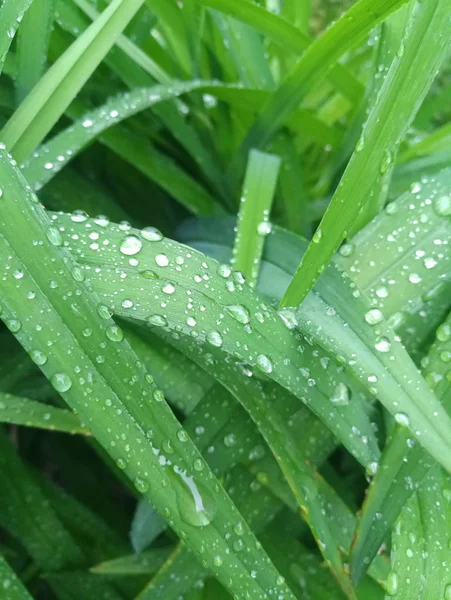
(225, 292)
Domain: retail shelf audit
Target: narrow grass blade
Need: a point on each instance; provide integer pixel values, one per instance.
(13, 589)
(146, 526)
(11, 13)
(26, 514)
(404, 465)
(318, 59)
(420, 543)
(286, 35)
(49, 99)
(51, 157)
(255, 208)
(85, 328)
(371, 164)
(32, 45)
(146, 563)
(22, 411)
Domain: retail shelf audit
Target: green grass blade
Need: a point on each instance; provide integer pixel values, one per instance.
(404, 465)
(32, 45)
(370, 166)
(85, 327)
(11, 13)
(146, 563)
(347, 32)
(129, 48)
(284, 34)
(33, 522)
(51, 157)
(255, 208)
(13, 589)
(49, 99)
(22, 411)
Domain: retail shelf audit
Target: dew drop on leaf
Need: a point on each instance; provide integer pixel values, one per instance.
(239, 313)
(54, 236)
(195, 503)
(374, 316)
(157, 320)
(162, 260)
(214, 338)
(151, 234)
(341, 395)
(264, 363)
(442, 205)
(383, 344)
(38, 357)
(402, 419)
(13, 325)
(115, 333)
(130, 245)
(61, 382)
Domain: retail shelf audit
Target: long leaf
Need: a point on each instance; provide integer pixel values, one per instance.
(186, 495)
(51, 96)
(369, 170)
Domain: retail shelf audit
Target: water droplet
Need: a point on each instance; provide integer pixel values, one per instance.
(182, 435)
(168, 288)
(383, 344)
(214, 338)
(157, 320)
(430, 262)
(317, 236)
(264, 228)
(217, 560)
(230, 440)
(374, 316)
(54, 236)
(131, 245)
(382, 292)
(38, 357)
(224, 271)
(162, 260)
(115, 333)
(391, 585)
(79, 216)
(387, 160)
(402, 419)
(347, 249)
(264, 363)
(239, 313)
(414, 278)
(127, 303)
(148, 274)
(360, 144)
(442, 206)
(121, 463)
(151, 234)
(141, 485)
(158, 395)
(443, 332)
(78, 274)
(104, 311)
(195, 503)
(198, 464)
(13, 325)
(341, 395)
(288, 316)
(61, 382)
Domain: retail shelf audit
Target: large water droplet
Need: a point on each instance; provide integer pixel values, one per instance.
(239, 313)
(115, 333)
(61, 382)
(157, 320)
(443, 332)
(13, 325)
(54, 236)
(383, 344)
(265, 363)
(341, 395)
(38, 357)
(402, 419)
(214, 338)
(391, 585)
(387, 160)
(374, 316)
(195, 503)
(288, 316)
(130, 245)
(151, 234)
(162, 260)
(442, 205)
